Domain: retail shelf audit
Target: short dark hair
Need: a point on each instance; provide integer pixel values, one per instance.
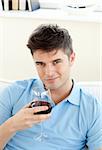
(50, 37)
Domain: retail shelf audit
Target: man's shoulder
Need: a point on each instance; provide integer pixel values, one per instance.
(89, 104)
(23, 84)
(88, 97)
(91, 89)
(16, 89)
(19, 86)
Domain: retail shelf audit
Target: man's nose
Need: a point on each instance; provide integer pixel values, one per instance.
(49, 70)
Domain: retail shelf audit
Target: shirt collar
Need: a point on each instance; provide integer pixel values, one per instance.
(74, 96)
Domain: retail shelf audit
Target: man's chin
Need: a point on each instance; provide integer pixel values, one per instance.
(51, 86)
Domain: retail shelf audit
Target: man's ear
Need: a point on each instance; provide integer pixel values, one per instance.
(72, 58)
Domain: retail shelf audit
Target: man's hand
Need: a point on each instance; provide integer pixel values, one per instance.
(26, 118)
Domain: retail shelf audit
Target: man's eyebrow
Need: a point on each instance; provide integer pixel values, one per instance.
(39, 61)
(58, 59)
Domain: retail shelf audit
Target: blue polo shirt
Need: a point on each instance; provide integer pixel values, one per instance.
(74, 122)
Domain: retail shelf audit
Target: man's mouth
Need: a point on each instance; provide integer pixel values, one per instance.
(51, 80)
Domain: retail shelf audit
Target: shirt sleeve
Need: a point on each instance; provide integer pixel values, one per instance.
(9, 96)
(94, 134)
(5, 105)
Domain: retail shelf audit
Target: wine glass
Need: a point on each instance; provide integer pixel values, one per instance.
(41, 99)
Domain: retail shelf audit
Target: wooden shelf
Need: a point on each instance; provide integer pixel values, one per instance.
(55, 14)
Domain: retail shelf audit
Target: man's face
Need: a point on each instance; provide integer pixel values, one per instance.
(53, 67)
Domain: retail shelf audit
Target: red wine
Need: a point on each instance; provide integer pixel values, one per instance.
(41, 103)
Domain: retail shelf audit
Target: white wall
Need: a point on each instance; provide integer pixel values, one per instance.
(16, 61)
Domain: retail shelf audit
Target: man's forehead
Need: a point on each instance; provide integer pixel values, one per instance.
(46, 57)
(50, 53)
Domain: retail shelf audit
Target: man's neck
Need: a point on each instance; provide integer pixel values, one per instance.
(64, 92)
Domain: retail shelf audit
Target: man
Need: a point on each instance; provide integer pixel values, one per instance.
(75, 119)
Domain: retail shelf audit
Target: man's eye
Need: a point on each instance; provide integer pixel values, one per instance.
(40, 64)
(56, 62)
